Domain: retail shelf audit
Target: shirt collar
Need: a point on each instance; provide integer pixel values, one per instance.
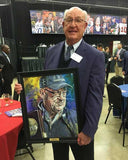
(6, 56)
(4, 53)
(75, 46)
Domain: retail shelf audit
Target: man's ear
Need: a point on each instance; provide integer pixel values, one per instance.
(63, 24)
(86, 24)
(42, 91)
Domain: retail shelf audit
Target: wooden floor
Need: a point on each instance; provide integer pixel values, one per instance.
(108, 142)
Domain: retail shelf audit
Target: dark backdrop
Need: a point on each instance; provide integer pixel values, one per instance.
(23, 24)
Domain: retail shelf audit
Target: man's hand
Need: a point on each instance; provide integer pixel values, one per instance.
(18, 88)
(83, 139)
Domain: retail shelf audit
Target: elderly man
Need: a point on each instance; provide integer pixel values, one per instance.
(74, 52)
(57, 114)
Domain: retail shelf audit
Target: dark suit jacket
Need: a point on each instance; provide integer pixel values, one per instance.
(7, 72)
(125, 63)
(91, 78)
(121, 54)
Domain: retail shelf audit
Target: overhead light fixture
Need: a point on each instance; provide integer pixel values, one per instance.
(1, 5)
(4, 2)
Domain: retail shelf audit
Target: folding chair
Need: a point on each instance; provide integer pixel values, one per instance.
(124, 123)
(114, 98)
(126, 79)
(118, 80)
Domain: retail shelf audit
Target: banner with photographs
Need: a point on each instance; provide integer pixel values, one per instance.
(50, 22)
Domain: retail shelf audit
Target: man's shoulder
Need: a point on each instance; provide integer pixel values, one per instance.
(56, 46)
(123, 50)
(2, 57)
(126, 54)
(88, 47)
(1, 54)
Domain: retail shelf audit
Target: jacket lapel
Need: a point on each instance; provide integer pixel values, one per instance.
(81, 50)
(55, 57)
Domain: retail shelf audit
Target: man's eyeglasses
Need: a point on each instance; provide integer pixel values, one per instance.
(62, 92)
(76, 20)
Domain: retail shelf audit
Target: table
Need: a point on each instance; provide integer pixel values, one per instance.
(9, 130)
(124, 91)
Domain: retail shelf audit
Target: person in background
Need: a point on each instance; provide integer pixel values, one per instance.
(101, 49)
(108, 60)
(91, 72)
(7, 70)
(125, 64)
(119, 57)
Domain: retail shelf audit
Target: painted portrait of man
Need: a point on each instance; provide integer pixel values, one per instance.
(55, 106)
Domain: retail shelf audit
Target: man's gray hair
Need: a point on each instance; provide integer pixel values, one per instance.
(70, 9)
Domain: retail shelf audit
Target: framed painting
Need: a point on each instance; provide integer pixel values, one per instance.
(50, 105)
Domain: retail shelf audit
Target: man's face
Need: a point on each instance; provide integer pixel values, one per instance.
(123, 20)
(74, 26)
(119, 46)
(38, 14)
(60, 20)
(6, 49)
(107, 50)
(97, 22)
(54, 100)
(114, 20)
(100, 48)
(50, 16)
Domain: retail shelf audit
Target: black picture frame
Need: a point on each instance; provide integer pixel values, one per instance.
(37, 128)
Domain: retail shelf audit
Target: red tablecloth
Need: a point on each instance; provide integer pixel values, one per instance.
(9, 130)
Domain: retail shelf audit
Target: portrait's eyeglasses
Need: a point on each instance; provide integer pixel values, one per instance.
(58, 93)
(76, 20)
